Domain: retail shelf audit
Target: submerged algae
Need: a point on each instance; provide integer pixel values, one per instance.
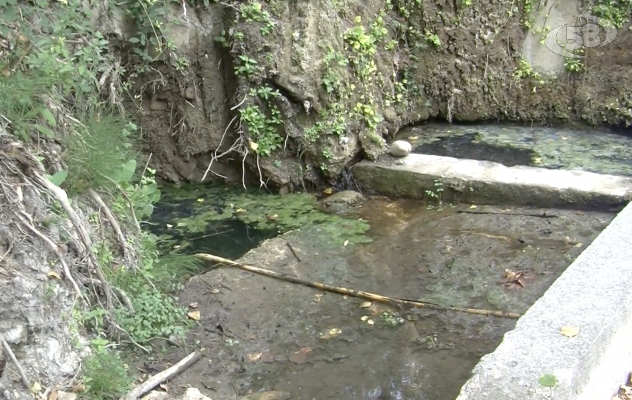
(191, 211)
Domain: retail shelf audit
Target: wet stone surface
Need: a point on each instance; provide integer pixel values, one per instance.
(259, 333)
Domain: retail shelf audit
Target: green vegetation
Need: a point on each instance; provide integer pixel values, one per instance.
(615, 11)
(52, 88)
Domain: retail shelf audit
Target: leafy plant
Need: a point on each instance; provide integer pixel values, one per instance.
(105, 375)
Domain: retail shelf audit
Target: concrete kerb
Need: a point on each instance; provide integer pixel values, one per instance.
(594, 294)
(484, 182)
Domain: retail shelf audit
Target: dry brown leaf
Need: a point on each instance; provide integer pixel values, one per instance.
(328, 191)
(570, 331)
(300, 357)
(53, 274)
(164, 387)
(194, 315)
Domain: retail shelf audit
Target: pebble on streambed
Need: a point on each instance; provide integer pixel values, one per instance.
(400, 148)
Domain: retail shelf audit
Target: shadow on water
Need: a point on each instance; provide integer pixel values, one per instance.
(605, 151)
(466, 146)
(229, 238)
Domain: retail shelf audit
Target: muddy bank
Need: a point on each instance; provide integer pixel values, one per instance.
(263, 334)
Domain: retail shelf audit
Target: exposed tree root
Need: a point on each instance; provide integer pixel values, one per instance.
(55, 249)
(14, 360)
(120, 294)
(62, 197)
(355, 293)
(115, 225)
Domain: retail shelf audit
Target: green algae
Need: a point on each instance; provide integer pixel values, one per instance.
(198, 210)
(599, 151)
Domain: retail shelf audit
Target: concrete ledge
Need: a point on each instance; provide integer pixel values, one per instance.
(594, 294)
(486, 182)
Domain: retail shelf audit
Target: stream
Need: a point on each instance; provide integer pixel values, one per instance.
(261, 334)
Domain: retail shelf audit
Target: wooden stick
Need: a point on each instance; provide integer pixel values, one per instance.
(525, 214)
(160, 377)
(354, 293)
(293, 251)
(9, 352)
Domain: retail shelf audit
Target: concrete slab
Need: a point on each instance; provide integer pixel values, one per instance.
(593, 294)
(484, 182)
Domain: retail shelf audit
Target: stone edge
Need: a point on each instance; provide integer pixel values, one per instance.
(593, 294)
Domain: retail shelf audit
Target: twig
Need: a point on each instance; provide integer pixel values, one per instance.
(9, 352)
(57, 252)
(293, 251)
(354, 293)
(525, 214)
(157, 379)
(7, 252)
(112, 220)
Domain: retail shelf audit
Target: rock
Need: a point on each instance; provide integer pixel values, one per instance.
(400, 148)
(342, 201)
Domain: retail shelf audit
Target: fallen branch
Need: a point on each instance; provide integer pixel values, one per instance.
(157, 379)
(112, 220)
(525, 214)
(9, 352)
(354, 293)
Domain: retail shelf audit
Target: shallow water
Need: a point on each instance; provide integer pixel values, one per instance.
(262, 334)
(595, 150)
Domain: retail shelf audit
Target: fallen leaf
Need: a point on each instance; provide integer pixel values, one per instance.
(194, 305)
(254, 146)
(328, 191)
(330, 334)
(240, 210)
(548, 380)
(300, 357)
(370, 322)
(267, 357)
(53, 274)
(413, 137)
(169, 226)
(254, 357)
(194, 315)
(346, 243)
(215, 291)
(579, 245)
(318, 297)
(200, 200)
(364, 318)
(366, 304)
(164, 387)
(473, 206)
(36, 388)
(570, 331)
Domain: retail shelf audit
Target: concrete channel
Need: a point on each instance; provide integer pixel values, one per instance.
(592, 297)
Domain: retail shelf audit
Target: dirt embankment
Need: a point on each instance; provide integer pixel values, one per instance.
(295, 91)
